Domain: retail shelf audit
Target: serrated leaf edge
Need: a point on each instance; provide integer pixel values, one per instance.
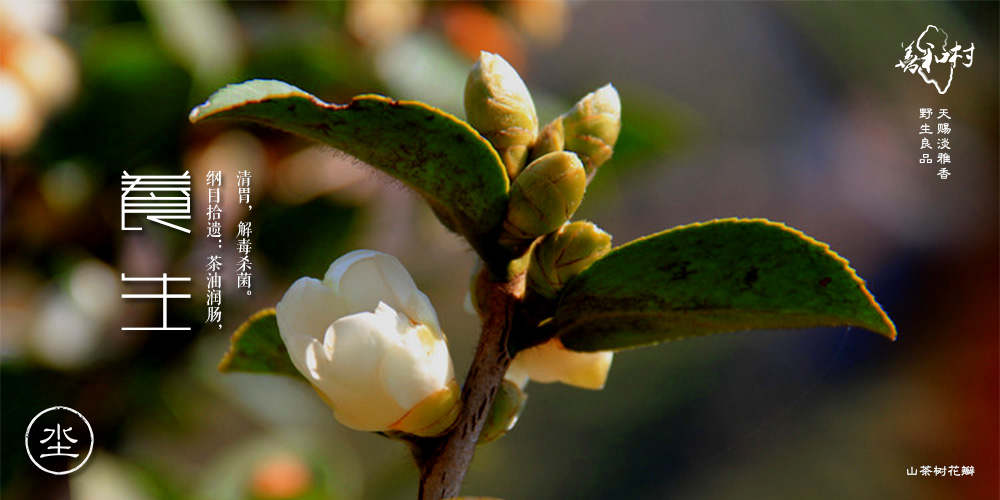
(890, 330)
(196, 114)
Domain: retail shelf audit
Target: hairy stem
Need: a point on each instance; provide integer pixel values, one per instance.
(444, 460)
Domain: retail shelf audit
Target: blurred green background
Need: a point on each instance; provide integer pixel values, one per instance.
(790, 111)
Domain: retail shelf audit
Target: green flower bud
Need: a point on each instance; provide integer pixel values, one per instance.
(592, 126)
(507, 407)
(499, 106)
(550, 139)
(544, 196)
(564, 254)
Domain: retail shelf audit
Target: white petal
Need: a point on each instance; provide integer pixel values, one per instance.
(366, 277)
(350, 377)
(304, 313)
(551, 362)
(516, 373)
(416, 365)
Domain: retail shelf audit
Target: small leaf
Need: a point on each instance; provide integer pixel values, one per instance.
(439, 156)
(720, 276)
(256, 347)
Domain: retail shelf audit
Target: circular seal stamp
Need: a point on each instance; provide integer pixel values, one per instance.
(59, 440)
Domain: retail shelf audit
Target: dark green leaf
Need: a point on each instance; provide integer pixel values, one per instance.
(256, 347)
(720, 276)
(436, 154)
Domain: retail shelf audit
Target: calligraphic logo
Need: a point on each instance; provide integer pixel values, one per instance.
(930, 57)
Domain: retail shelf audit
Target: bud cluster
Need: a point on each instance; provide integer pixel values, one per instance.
(548, 172)
(560, 159)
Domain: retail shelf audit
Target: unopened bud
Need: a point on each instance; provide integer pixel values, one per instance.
(550, 139)
(499, 106)
(592, 126)
(507, 407)
(544, 196)
(563, 254)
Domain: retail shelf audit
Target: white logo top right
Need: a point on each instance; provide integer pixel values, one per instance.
(930, 57)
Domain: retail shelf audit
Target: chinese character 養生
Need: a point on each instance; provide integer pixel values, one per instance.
(165, 279)
(158, 209)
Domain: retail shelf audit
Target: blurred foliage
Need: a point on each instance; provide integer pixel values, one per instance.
(113, 100)
(311, 250)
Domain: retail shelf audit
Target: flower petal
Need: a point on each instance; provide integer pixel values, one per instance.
(304, 313)
(366, 277)
(551, 362)
(416, 364)
(370, 344)
(355, 347)
(517, 374)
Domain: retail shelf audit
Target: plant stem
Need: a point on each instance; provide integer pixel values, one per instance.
(443, 461)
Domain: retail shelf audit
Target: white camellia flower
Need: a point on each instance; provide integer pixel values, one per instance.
(370, 344)
(551, 362)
